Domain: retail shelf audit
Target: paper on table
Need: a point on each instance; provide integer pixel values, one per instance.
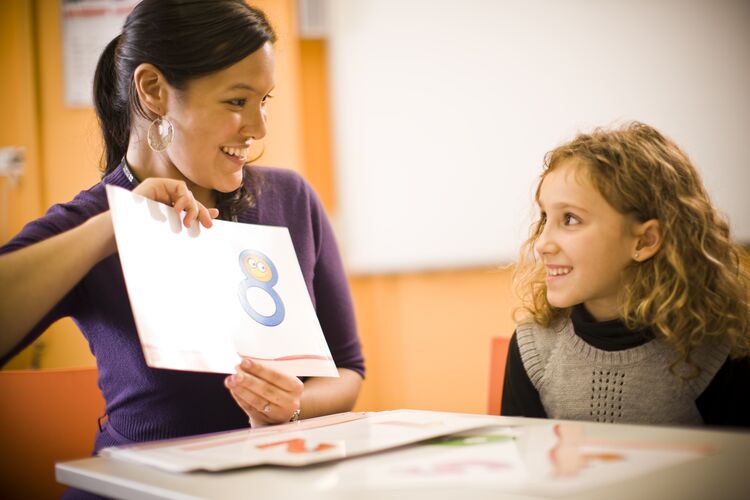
(305, 442)
(204, 298)
(548, 460)
(454, 450)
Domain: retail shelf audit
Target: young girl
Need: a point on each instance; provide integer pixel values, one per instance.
(635, 297)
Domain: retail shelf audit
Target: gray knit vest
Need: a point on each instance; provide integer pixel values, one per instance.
(576, 381)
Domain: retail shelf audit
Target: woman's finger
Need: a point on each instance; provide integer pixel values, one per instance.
(176, 194)
(257, 395)
(207, 215)
(248, 398)
(185, 202)
(256, 389)
(286, 383)
(258, 419)
(192, 213)
(177, 191)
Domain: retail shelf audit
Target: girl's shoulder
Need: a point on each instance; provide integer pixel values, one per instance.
(536, 343)
(703, 364)
(532, 333)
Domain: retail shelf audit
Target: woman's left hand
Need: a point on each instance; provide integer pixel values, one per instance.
(266, 395)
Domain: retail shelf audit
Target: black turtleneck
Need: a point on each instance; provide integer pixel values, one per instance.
(726, 400)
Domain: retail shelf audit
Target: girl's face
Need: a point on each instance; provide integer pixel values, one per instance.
(585, 244)
(216, 119)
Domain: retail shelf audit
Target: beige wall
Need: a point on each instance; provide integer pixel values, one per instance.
(426, 336)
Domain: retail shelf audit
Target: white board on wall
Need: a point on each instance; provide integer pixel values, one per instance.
(443, 111)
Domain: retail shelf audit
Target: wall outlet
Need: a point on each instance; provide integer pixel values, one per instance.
(11, 161)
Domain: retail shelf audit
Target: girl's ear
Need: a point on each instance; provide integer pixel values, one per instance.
(649, 240)
(152, 88)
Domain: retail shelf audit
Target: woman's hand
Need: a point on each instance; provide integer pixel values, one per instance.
(267, 396)
(176, 194)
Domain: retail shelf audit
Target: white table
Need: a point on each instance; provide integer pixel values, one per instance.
(724, 475)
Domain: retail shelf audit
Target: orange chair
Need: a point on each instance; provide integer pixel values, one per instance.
(46, 416)
(498, 357)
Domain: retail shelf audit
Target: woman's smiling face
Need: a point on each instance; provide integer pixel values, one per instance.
(585, 243)
(217, 117)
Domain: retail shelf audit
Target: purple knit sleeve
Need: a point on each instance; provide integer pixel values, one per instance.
(58, 219)
(332, 295)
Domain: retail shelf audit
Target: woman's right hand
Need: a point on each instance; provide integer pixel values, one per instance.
(176, 194)
(42, 273)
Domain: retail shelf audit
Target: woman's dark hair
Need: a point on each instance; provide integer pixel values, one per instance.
(184, 39)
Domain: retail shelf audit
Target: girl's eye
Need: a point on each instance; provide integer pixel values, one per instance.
(542, 219)
(571, 220)
(237, 102)
(267, 98)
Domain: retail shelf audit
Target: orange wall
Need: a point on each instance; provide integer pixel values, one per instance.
(18, 127)
(19, 124)
(426, 337)
(317, 141)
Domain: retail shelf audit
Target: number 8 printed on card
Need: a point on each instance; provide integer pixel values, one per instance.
(260, 273)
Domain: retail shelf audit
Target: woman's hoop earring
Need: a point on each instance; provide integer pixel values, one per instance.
(160, 134)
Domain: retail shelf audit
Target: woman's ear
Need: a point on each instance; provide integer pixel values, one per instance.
(152, 88)
(649, 240)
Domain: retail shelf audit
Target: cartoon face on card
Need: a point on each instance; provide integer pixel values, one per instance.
(256, 291)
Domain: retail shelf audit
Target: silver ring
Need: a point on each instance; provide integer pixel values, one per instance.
(267, 408)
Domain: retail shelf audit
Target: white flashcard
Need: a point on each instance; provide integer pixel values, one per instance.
(203, 299)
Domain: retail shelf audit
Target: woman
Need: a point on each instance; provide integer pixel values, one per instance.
(180, 95)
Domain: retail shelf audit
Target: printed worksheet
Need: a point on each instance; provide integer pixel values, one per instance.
(203, 299)
(547, 460)
(311, 441)
(448, 449)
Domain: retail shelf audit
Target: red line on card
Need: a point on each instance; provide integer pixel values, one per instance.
(288, 358)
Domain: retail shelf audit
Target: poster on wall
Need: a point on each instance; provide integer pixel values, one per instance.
(87, 27)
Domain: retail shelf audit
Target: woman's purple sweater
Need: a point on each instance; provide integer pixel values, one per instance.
(145, 403)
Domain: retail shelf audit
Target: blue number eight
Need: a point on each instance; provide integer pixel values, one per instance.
(261, 273)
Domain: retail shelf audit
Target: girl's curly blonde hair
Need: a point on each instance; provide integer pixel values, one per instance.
(695, 286)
